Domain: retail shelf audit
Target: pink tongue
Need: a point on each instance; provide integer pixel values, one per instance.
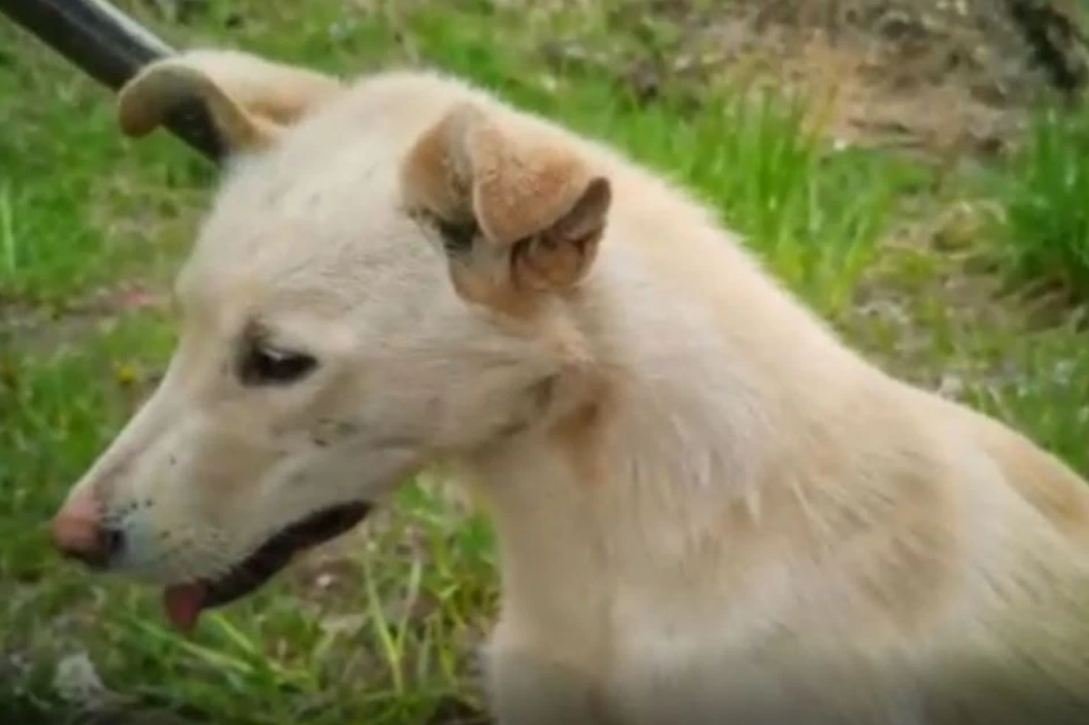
(183, 604)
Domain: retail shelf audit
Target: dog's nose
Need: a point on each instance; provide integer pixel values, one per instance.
(78, 531)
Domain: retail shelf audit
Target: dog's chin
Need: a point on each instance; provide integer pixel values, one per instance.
(185, 602)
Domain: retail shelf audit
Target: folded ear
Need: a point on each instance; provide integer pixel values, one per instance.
(521, 214)
(250, 99)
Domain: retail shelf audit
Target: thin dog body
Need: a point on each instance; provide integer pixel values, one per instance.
(709, 509)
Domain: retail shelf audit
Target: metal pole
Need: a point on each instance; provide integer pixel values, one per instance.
(111, 48)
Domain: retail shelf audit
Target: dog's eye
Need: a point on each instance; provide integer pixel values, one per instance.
(264, 365)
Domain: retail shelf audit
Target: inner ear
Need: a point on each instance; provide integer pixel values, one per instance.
(584, 223)
(251, 100)
(559, 256)
(148, 99)
(514, 200)
(458, 237)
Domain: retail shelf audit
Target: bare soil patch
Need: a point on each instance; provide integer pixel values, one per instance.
(937, 76)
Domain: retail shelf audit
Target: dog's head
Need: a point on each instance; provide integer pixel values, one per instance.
(385, 278)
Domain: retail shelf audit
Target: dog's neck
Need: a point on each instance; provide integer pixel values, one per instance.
(636, 476)
(665, 470)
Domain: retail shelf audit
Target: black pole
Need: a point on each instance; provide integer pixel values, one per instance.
(111, 48)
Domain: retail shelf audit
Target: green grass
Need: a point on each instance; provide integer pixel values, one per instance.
(1053, 367)
(384, 629)
(1044, 199)
(65, 233)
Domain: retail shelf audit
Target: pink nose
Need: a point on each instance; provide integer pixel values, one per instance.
(78, 531)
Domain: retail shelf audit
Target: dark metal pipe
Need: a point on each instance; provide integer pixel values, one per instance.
(111, 48)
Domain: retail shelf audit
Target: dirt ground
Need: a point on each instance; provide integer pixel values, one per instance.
(938, 76)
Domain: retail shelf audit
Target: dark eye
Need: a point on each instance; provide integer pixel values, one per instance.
(264, 365)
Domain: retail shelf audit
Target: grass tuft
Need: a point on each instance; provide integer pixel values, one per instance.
(815, 214)
(1045, 199)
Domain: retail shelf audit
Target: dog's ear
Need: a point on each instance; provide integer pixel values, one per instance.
(249, 99)
(520, 213)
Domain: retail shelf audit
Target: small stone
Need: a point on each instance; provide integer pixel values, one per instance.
(76, 680)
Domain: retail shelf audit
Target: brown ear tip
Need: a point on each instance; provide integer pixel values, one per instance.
(137, 105)
(133, 122)
(597, 196)
(144, 101)
(600, 189)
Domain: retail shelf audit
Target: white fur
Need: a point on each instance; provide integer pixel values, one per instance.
(754, 523)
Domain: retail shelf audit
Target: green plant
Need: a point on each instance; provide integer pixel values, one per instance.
(1045, 201)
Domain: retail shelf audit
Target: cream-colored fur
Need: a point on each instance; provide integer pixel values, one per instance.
(708, 508)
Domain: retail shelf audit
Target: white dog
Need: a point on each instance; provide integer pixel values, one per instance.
(708, 508)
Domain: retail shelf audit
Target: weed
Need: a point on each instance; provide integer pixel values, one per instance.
(1045, 197)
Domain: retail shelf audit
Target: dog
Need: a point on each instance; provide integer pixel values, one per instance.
(708, 508)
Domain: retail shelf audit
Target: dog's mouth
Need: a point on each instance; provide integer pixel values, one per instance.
(185, 602)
